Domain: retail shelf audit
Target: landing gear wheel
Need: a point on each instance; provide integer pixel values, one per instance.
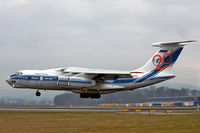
(38, 93)
(84, 95)
(97, 96)
(88, 95)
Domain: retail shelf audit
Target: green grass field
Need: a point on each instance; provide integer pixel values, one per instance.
(98, 122)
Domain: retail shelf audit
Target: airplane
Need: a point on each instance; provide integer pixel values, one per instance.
(92, 83)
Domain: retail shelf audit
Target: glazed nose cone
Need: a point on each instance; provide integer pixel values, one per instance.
(8, 80)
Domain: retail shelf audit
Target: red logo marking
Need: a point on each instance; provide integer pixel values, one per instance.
(137, 72)
(158, 59)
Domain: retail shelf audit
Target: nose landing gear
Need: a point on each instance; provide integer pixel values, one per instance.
(38, 93)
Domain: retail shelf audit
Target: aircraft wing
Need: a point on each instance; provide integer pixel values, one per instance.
(98, 73)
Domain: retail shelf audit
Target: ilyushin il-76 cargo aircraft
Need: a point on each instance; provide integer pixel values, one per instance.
(91, 83)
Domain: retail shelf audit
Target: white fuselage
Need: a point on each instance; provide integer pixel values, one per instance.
(52, 79)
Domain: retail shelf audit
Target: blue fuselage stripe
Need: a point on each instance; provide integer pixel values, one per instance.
(47, 78)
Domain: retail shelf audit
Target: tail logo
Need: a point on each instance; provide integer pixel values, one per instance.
(162, 61)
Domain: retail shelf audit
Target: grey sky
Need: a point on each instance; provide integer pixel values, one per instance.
(110, 34)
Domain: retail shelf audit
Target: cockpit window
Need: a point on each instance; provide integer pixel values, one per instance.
(19, 73)
(16, 74)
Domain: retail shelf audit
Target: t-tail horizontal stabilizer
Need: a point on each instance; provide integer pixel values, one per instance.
(181, 43)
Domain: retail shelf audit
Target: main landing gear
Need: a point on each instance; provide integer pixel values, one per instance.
(88, 95)
(37, 93)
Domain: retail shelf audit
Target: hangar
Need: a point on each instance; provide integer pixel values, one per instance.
(173, 101)
(181, 101)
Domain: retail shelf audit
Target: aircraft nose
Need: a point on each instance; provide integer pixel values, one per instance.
(8, 80)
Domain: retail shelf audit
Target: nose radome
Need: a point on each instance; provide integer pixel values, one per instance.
(8, 80)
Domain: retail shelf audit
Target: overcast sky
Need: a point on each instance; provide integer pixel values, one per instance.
(110, 34)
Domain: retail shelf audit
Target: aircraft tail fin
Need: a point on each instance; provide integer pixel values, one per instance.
(165, 57)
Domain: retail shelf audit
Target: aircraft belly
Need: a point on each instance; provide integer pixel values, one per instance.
(46, 84)
(26, 83)
(111, 86)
